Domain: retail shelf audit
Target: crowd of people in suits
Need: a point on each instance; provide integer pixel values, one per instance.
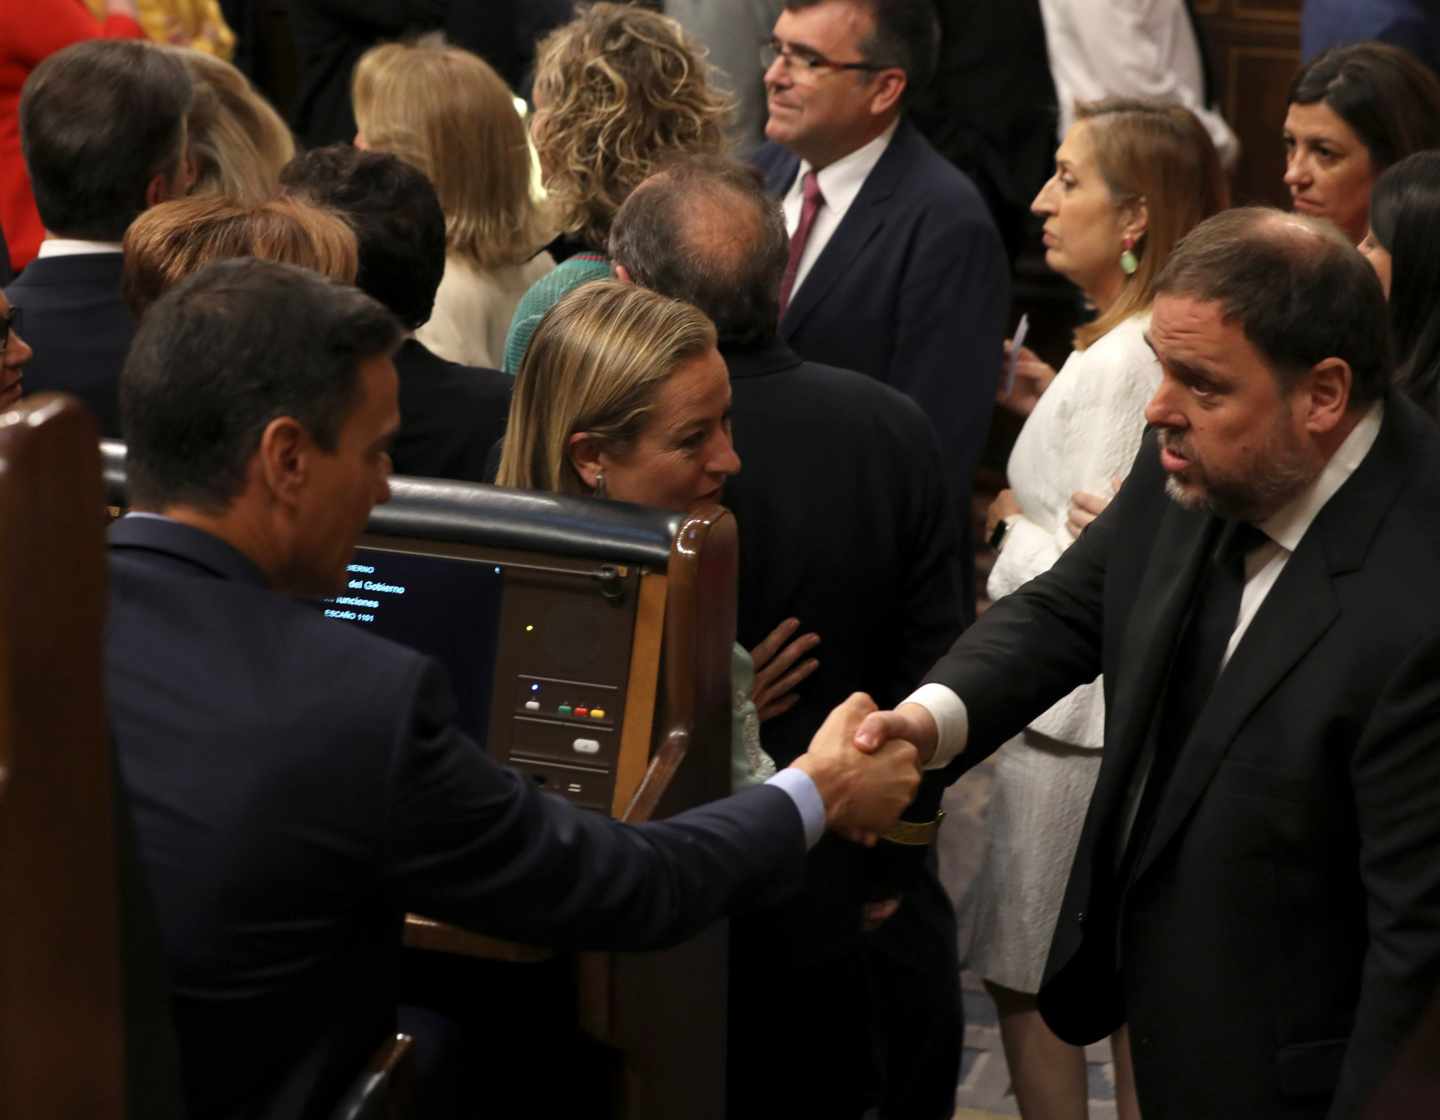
(1206, 668)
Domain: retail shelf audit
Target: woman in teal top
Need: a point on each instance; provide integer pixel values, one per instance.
(618, 91)
(622, 394)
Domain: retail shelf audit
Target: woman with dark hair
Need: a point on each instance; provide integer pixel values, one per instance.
(1401, 245)
(1353, 112)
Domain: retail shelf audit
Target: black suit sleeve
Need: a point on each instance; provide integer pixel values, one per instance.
(476, 844)
(1395, 773)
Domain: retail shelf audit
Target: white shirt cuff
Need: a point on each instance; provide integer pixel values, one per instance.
(951, 720)
(808, 802)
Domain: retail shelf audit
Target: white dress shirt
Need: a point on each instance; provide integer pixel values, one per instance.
(840, 183)
(70, 247)
(1285, 529)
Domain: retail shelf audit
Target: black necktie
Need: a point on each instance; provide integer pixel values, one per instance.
(1194, 669)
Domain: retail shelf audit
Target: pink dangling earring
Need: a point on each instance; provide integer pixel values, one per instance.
(1129, 262)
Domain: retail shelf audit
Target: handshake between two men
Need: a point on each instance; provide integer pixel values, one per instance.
(866, 765)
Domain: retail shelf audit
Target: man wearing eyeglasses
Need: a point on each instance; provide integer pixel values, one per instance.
(896, 270)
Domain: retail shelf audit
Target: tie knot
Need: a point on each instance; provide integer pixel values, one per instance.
(810, 188)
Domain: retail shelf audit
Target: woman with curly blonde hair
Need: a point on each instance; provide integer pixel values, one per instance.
(447, 112)
(619, 91)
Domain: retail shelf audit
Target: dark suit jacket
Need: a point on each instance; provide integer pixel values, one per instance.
(298, 785)
(79, 328)
(1281, 929)
(450, 415)
(846, 522)
(912, 289)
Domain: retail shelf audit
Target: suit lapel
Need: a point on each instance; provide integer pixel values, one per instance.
(861, 224)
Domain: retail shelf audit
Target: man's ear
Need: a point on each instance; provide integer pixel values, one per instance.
(285, 455)
(157, 190)
(1329, 381)
(889, 89)
(586, 457)
(622, 274)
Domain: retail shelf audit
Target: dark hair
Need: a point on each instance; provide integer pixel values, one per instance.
(396, 216)
(907, 35)
(98, 121)
(1405, 218)
(1296, 287)
(704, 231)
(1388, 97)
(225, 352)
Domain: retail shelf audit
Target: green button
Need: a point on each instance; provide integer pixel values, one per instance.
(564, 709)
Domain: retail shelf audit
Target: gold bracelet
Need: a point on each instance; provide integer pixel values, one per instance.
(915, 834)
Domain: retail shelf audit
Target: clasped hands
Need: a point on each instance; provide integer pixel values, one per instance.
(866, 764)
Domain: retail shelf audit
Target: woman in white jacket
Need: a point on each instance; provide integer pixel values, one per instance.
(1131, 178)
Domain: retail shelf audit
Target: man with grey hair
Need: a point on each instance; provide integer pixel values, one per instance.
(847, 524)
(102, 126)
(1255, 889)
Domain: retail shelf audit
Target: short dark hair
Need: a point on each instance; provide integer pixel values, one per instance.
(1384, 93)
(98, 121)
(1296, 287)
(704, 231)
(225, 352)
(1405, 218)
(907, 35)
(396, 215)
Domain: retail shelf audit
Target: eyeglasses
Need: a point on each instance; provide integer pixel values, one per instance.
(802, 60)
(9, 322)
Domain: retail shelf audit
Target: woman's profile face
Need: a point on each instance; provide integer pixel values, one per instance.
(683, 455)
(1083, 232)
(1328, 168)
(1379, 258)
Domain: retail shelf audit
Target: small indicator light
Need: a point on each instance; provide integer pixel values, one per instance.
(535, 688)
(529, 628)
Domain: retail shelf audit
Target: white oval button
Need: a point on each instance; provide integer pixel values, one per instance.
(587, 746)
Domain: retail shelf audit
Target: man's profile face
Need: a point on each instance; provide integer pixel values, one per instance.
(344, 485)
(1231, 438)
(819, 113)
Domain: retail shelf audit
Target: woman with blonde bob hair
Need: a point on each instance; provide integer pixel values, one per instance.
(623, 395)
(619, 91)
(447, 112)
(1131, 179)
(170, 241)
(237, 139)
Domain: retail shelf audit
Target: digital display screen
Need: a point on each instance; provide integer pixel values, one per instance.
(441, 606)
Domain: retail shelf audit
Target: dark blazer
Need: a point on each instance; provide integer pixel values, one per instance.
(79, 328)
(1280, 932)
(298, 785)
(450, 415)
(846, 522)
(912, 289)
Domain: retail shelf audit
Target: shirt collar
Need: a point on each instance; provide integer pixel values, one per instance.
(1290, 523)
(71, 247)
(841, 181)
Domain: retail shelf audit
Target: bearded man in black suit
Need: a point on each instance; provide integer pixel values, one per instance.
(1256, 889)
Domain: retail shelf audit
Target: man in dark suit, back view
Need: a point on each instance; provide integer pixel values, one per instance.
(297, 784)
(1256, 890)
(847, 523)
(450, 415)
(102, 126)
(896, 268)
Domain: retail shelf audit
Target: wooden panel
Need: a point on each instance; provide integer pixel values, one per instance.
(1254, 46)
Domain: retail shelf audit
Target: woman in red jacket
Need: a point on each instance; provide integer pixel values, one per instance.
(29, 33)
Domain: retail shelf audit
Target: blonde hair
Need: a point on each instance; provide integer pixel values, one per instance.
(447, 112)
(595, 365)
(618, 92)
(238, 141)
(168, 242)
(1159, 153)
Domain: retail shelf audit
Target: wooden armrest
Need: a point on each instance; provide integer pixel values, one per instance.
(426, 933)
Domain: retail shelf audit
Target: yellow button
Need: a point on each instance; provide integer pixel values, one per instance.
(597, 713)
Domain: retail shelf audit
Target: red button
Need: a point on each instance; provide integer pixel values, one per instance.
(582, 711)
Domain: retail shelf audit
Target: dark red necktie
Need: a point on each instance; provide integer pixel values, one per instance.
(810, 185)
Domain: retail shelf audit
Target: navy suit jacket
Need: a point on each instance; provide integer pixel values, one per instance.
(450, 415)
(1279, 932)
(298, 785)
(79, 327)
(1412, 24)
(912, 289)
